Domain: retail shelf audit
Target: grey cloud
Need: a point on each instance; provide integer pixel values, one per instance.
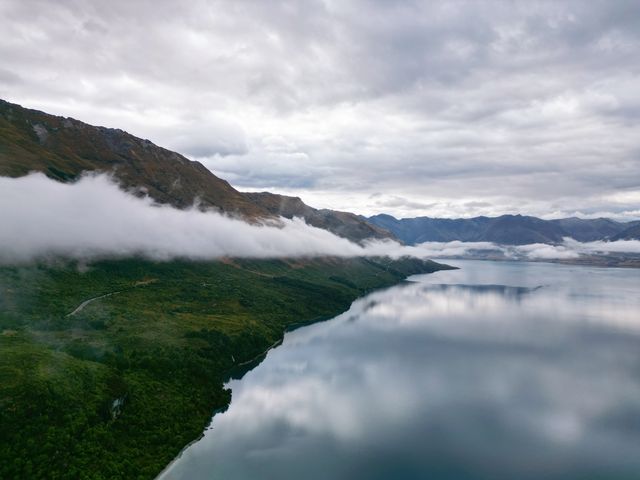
(536, 101)
(204, 138)
(8, 77)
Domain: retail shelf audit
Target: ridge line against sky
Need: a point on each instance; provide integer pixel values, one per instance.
(441, 109)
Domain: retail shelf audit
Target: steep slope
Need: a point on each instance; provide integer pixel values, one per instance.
(631, 233)
(344, 224)
(506, 229)
(589, 230)
(63, 148)
(521, 230)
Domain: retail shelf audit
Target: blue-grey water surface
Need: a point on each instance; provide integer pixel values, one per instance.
(499, 370)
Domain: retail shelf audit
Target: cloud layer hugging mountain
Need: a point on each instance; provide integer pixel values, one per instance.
(93, 218)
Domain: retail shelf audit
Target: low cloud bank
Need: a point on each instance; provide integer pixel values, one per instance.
(570, 248)
(93, 218)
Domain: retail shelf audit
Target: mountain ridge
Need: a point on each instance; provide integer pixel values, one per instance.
(504, 229)
(339, 222)
(631, 233)
(64, 148)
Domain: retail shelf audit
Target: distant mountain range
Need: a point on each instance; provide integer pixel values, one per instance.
(64, 148)
(505, 229)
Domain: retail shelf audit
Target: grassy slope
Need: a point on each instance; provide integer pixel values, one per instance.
(163, 344)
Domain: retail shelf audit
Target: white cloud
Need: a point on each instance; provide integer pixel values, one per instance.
(536, 251)
(93, 218)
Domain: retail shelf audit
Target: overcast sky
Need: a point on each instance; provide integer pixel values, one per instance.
(410, 108)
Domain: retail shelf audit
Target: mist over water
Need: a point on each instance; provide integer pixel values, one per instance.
(500, 370)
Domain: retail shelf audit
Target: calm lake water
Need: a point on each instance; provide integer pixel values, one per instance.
(499, 370)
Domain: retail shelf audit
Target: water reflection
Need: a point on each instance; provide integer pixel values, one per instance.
(495, 371)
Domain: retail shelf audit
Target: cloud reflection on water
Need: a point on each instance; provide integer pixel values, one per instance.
(446, 378)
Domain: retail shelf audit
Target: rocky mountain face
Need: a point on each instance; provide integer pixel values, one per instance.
(64, 149)
(343, 224)
(506, 229)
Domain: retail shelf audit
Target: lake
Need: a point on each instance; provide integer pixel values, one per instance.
(499, 370)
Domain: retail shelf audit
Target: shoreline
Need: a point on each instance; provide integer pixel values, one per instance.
(229, 375)
(242, 368)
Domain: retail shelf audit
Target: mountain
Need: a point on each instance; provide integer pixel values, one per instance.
(425, 229)
(522, 230)
(589, 230)
(65, 148)
(631, 233)
(506, 229)
(344, 224)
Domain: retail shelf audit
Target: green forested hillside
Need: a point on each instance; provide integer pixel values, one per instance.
(117, 388)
